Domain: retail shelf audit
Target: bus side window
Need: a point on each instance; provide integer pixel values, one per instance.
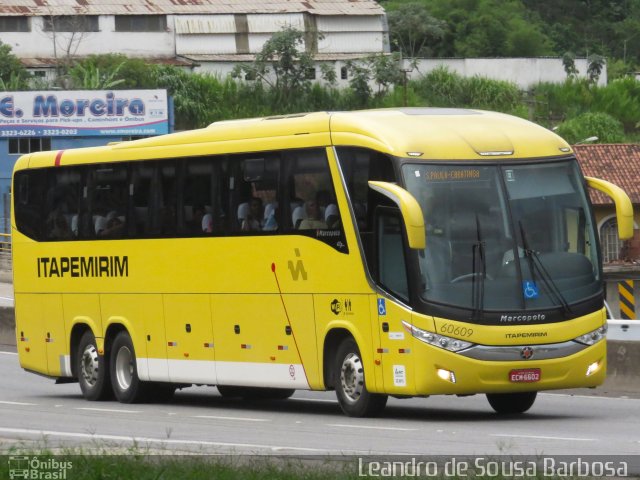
(61, 204)
(30, 188)
(257, 192)
(358, 166)
(312, 191)
(202, 197)
(109, 200)
(392, 272)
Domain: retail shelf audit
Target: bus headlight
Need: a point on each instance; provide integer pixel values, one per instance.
(592, 337)
(447, 343)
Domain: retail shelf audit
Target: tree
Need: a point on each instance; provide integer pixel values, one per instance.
(414, 31)
(359, 76)
(569, 64)
(596, 64)
(13, 75)
(134, 72)
(601, 125)
(284, 64)
(89, 76)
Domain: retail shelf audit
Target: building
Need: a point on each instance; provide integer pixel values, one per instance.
(619, 164)
(59, 120)
(208, 35)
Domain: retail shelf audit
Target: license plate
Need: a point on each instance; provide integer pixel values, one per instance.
(524, 375)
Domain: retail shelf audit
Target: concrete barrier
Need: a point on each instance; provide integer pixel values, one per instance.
(624, 330)
(623, 356)
(7, 326)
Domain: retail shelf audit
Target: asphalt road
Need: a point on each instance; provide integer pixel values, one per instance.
(35, 411)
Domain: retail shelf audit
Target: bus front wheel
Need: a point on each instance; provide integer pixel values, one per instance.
(351, 389)
(93, 373)
(127, 386)
(511, 403)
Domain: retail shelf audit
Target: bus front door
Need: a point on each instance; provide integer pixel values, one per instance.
(395, 348)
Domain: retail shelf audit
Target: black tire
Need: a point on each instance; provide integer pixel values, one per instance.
(351, 389)
(92, 370)
(511, 403)
(255, 393)
(127, 386)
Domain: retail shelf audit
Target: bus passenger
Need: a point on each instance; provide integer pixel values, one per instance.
(314, 219)
(113, 226)
(253, 221)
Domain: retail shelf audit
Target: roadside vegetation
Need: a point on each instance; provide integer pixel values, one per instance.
(138, 463)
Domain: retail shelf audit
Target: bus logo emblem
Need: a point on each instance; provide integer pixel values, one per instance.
(526, 353)
(297, 269)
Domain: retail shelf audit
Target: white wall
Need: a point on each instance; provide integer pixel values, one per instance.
(39, 43)
(524, 72)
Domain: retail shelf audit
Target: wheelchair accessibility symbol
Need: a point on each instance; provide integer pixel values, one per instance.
(382, 306)
(530, 289)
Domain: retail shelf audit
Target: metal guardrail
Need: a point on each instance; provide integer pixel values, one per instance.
(5, 242)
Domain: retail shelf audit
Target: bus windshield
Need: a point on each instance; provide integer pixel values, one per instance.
(516, 237)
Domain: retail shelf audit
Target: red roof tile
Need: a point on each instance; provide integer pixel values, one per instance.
(616, 163)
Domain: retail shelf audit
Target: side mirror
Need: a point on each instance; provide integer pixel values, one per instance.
(410, 209)
(624, 207)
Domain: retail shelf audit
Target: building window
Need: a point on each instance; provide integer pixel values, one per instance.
(14, 24)
(611, 244)
(71, 23)
(141, 23)
(19, 146)
(344, 73)
(310, 73)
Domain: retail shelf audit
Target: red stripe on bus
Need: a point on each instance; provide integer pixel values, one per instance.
(58, 157)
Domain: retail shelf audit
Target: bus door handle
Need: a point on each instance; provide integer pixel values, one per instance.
(187, 327)
(236, 329)
(287, 329)
(385, 327)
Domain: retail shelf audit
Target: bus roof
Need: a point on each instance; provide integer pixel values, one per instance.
(422, 133)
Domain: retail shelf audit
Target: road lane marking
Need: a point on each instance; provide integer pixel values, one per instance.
(371, 427)
(318, 400)
(109, 410)
(6, 402)
(540, 437)
(274, 448)
(242, 419)
(622, 397)
(9, 353)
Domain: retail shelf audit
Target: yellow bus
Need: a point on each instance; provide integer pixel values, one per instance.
(403, 252)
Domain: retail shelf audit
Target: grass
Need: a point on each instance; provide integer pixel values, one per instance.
(137, 463)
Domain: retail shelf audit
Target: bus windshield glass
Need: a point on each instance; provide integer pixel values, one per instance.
(516, 237)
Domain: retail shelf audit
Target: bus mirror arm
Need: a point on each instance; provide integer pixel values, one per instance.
(624, 208)
(410, 209)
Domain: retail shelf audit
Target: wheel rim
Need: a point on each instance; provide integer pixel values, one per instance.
(352, 377)
(124, 368)
(90, 366)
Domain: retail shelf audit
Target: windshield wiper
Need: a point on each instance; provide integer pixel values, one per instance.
(535, 263)
(477, 278)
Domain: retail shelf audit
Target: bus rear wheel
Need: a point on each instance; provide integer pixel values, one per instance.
(511, 403)
(92, 369)
(127, 386)
(351, 389)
